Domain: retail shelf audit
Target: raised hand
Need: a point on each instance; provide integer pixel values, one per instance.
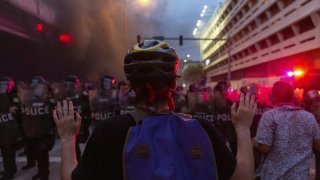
(243, 115)
(68, 128)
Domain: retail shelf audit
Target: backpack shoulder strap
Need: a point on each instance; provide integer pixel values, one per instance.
(186, 116)
(139, 114)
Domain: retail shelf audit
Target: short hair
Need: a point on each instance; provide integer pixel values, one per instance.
(221, 87)
(282, 91)
(309, 98)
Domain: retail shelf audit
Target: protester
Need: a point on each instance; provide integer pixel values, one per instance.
(151, 67)
(286, 135)
(311, 103)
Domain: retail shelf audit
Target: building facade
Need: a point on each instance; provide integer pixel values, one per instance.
(263, 39)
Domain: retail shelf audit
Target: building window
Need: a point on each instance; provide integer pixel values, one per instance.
(305, 25)
(253, 2)
(263, 18)
(263, 44)
(245, 52)
(246, 9)
(253, 25)
(274, 9)
(287, 33)
(286, 3)
(253, 49)
(274, 39)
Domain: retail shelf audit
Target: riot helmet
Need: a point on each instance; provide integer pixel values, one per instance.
(6, 85)
(107, 82)
(71, 84)
(39, 86)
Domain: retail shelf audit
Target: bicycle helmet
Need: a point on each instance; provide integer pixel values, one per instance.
(151, 59)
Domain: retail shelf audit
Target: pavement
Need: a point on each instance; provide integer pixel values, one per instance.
(55, 162)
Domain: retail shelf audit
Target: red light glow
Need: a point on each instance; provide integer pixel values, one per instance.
(65, 38)
(39, 27)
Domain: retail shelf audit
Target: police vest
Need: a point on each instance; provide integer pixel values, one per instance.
(103, 108)
(37, 118)
(81, 104)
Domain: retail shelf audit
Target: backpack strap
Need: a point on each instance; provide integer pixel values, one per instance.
(186, 116)
(139, 114)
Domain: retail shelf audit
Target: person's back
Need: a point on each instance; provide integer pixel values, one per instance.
(151, 68)
(293, 132)
(286, 135)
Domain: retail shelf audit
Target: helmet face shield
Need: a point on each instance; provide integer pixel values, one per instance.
(34, 83)
(3, 87)
(69, 87)
(40, 90)
(71, 84)
(107, 83)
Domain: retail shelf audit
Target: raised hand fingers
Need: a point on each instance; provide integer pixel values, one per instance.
(59, 110)
(247, 100)
(71, 109)
(241, 103)
(65, 108)
(253, 102)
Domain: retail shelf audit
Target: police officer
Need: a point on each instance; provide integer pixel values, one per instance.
(80, 99)
(262, 107)
(9, 127)
(104, 105)
(38, 126)
(222, 109)
(311, 103)
(180, 100)
(126, 98)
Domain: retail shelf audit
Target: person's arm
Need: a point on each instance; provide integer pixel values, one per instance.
(68, 128)
(242, 119)
(264, 148)
(265, 133)
(315, 134)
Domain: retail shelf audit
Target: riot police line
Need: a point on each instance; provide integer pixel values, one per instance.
(26, 115)
(26, 121)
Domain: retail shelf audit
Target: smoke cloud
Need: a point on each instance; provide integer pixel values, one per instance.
(97, 27)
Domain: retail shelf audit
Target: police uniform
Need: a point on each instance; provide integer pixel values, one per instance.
(10, 133)
(261, 108)
(127, 103)
(81, 104)
(103, 107)
(38, 127)
(215, 113)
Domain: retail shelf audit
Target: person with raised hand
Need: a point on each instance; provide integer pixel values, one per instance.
(107, 153)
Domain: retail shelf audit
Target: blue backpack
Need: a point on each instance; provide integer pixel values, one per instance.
(168, 146)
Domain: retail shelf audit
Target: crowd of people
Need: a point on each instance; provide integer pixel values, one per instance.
(275, 139)
(26, 120)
